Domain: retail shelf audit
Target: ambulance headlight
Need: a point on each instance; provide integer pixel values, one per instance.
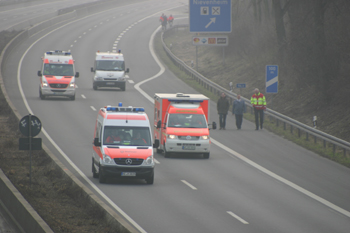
(205, 137)
(107, 159)
(171, 136)
(98, 78)
(72, 84)
(45, 84)
(149, 161)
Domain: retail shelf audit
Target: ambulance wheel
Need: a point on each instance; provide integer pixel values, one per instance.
(101, 177)
(94, 87)
(150, 180)
(166, 154)
(206, 155)
(41, 95)
(159, 151)
(123, 88)
(72, 97)
(94, 173)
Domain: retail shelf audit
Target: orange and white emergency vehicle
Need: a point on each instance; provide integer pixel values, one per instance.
(109, 70)
(122, 146)
(57, 75)
(181, 124)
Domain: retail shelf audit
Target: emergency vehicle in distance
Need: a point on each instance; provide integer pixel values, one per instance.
(109, 70)
(57, 75)
(181, 124)
(122, 146)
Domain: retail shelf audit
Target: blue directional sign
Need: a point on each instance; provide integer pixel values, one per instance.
(271, 79)
(240, 85)
(210, 16)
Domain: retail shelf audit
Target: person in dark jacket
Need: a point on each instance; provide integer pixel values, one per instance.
(222, 107)
(238, 108)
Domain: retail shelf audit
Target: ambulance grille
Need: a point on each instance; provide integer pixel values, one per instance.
(110, 79)
(191, 138)
(126, 161)
(58, 85)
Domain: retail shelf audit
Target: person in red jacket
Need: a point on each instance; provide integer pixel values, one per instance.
(259, 104)
(170, 20)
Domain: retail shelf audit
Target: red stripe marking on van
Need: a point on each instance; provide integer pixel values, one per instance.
(123, 117)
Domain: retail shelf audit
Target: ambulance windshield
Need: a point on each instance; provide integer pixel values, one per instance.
(126, 136)
(110, 65)
(58, 69)
(187, 121)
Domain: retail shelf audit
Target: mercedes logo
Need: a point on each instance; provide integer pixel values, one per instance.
(188, 137)
(58, 85)
(128, 161)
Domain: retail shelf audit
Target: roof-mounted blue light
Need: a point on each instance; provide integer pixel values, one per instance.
(139, 109)
(185, 100)
(125, 109)
(120, 104)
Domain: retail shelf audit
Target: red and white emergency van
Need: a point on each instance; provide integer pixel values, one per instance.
(122, 146)
(109, 70)
(57, 75)
(181, 124)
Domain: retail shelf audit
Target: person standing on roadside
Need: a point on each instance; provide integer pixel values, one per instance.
(222, 107)
(238, 108)
(259, 104)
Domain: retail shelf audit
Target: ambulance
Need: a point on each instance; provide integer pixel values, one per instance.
(122, 146)
(57, 75)
(109, 70)
(181, 124)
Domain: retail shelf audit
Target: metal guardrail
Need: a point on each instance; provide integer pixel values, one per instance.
(335, 142)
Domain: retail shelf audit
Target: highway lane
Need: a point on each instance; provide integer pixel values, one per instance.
(189, 195)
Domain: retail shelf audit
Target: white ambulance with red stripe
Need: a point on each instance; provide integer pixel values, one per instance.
(57, 75)
(181, 124)
(122, 146)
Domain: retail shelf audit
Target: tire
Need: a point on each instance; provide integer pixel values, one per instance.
(159, 151)
(166, 154)
(41, 95)
(94, 87)
(94, 173)
(123, 88)
(72, 97)
(206, 155)
(150, 180)
(101, 176)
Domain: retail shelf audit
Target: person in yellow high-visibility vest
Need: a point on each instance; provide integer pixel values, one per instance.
(259, 104)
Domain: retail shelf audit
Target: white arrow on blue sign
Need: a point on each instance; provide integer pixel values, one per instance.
(272, 79)
(210, 16)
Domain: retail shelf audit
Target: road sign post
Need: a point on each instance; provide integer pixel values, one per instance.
(240, 86)
(30, 126)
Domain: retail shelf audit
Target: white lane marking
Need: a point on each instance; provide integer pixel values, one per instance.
(189, 185)
(237, 217)
(93, 109)
(239, 156)
(83, 96)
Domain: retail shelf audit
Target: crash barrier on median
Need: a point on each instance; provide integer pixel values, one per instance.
(328, 141)
(113, 218)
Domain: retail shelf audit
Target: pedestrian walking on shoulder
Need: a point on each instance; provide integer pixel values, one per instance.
(259, 104)
(222, 107)
(238, 108)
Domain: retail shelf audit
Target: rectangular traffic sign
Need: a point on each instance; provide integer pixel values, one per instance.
(210, 40)
(240, 85)
(24, 144)
(272, 79)
(210, 16)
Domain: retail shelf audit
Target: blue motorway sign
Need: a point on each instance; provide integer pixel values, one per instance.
(210, 16)
(240, 85)
(272, 79)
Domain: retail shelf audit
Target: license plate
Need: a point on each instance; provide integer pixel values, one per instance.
(188, 147)
(128, 173)
(110, 83)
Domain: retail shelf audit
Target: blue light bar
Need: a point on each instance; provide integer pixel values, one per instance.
(122, 109)
(120, 104)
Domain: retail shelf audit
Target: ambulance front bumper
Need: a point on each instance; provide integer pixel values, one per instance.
(54, 92)
(187, 146)
(127, 172)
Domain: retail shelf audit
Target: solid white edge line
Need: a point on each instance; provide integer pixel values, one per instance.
(189, 185)
(237, 217)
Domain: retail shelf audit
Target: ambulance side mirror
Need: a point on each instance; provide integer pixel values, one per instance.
(159, 124)
(127, 70)
(92, 69)
(97, 142)
(39, 73)
(214, 125)
(76, 74)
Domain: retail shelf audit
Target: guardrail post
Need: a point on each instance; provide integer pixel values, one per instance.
(307, 136)
(315, 138)
(334, 147)
(291, 129)
(284, 126)
(324, 144)
(299, 133)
